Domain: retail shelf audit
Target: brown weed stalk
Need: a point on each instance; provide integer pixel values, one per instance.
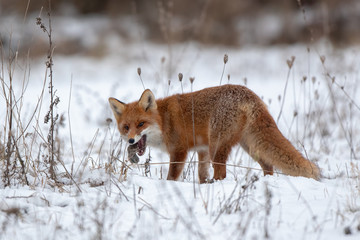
(50, 117)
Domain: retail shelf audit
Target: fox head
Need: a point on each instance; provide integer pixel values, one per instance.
(137, 121)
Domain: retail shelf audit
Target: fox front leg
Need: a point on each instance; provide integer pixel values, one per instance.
(177, 162)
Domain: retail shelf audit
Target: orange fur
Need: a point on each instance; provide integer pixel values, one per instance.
(211, 121)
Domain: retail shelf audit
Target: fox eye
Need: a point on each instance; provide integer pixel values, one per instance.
(141, 124)
(126, 127)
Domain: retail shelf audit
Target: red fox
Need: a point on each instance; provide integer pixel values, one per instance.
(210, 121)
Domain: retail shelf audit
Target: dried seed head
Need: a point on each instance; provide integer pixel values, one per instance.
(139, 71)
(290, 62)
(322, 59)
(180, 76)
(47, 117)
(304, 78)
(48, 63)
(38, 21)
(317, 95)
(228, 76)
(108, 120)
(295, 113)
(163, 59)
(192, 79)
(245, 81)
(56, 101)
(169, 82)
(226, 58)
(313, 79)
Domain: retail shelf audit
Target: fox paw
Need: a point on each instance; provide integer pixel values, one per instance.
(208, 181)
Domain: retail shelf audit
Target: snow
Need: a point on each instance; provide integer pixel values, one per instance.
(105, 203)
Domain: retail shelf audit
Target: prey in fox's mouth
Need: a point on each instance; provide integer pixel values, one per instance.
(137, 149)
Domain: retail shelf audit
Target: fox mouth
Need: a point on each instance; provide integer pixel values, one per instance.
(137, 148)
(141, 145)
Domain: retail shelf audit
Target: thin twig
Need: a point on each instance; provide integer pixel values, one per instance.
(225, 59)
(290, 65)
(213, 163)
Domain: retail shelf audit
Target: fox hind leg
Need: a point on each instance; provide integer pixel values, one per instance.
(267, 168)
(219, 155)
(203, 166)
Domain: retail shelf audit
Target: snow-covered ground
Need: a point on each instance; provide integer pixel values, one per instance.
(320, 116)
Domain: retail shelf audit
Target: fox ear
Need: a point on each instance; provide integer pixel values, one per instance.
(147, 100)
(117, 107)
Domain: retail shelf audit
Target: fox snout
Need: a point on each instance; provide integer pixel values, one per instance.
(132, 137)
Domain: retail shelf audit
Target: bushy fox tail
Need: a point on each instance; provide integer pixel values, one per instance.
(265, 143)
(285, 157)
